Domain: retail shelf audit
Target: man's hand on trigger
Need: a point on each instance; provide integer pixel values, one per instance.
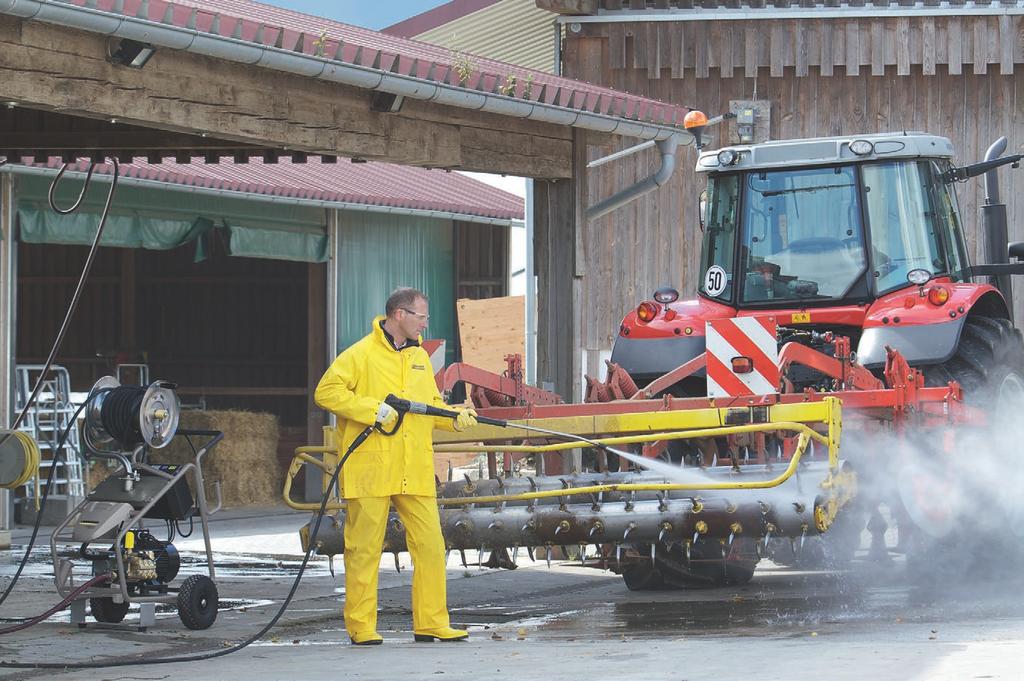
(465, 419)
(386, 416)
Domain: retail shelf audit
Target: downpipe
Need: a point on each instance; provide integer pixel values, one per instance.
(667, 149)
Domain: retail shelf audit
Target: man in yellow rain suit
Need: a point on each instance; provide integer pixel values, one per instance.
(397, 469)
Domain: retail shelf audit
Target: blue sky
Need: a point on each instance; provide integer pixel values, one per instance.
(375, 15)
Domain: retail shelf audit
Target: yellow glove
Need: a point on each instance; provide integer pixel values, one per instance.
(386, 416)
(465, 419)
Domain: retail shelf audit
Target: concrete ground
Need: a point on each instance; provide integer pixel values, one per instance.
(566, 622)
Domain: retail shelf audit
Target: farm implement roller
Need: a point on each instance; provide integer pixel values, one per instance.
(835, 291)
(764, 477)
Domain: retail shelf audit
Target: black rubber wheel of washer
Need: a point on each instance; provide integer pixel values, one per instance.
(107, 611)
(197, 602)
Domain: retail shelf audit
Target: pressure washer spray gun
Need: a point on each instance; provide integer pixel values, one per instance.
(407, 406)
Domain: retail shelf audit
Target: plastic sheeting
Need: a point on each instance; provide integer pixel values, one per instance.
(256, 242)
(40, 225)
(151, 218)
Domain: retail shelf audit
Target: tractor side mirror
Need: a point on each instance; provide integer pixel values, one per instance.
(702, 209)
(1016, 250)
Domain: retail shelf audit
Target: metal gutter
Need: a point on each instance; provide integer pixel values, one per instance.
(320, 68)
(784, 13)
(285, 200)
(667, 149)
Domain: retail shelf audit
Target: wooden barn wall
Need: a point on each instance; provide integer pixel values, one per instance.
(236, 327)
(656, 240)
(481, 259)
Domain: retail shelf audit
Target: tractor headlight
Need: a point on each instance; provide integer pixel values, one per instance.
(919, 277)
(861, 147)
(726, 157)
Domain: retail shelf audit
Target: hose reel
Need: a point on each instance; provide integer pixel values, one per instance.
(19, 458)
(120, 418)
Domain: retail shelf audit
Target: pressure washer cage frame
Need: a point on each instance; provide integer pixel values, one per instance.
(133, 464)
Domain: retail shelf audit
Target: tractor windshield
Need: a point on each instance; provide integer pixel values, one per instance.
(912, 221)
(802, 238)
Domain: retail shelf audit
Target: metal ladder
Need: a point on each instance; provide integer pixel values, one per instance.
(45, 422)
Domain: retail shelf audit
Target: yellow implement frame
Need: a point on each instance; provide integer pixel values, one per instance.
(642, 427)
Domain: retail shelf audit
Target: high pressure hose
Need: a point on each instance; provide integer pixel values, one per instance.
(120, 414)
(56, 347)
(73, 305)
(98, 579)
(135, 662)
(42, 503)
(400, 405)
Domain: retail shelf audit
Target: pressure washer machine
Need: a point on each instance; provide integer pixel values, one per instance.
(108, 532)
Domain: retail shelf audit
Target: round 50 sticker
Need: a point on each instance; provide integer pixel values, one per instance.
(714, 281)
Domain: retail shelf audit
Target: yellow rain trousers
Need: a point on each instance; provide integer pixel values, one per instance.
(365, 523)
(386, 470)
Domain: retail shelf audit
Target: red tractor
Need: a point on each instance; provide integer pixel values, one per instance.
(855, 247)
(858, 237)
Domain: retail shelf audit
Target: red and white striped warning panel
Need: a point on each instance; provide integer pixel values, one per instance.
(742, 357)
(435, 348)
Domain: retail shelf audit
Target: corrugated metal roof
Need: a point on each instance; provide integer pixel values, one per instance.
(438, 16)
(514, 31)
(267, 25)
(769, 5)
(369, 184)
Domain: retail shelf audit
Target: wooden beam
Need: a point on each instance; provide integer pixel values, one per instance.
(569, 6)
(51, 67)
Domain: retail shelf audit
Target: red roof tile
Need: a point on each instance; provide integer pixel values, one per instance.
(372, 184)
(432, 18)
(275, 26)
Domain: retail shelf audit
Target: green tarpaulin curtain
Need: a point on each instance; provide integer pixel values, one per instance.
(378, 253)
(160, 219)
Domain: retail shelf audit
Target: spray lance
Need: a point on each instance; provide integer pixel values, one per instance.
(408, 406)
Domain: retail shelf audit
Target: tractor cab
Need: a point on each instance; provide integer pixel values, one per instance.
(812, 223)
(852, 237)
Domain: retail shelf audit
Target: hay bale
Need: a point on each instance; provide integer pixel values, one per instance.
(245, 462)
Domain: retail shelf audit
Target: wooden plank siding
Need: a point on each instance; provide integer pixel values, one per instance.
(481, 253)
(950, 76)
(975, 43)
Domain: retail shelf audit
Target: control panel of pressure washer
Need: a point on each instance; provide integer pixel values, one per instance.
(175, 504)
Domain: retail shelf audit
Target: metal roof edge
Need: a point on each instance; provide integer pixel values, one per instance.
(782, 13)
(19, 169)
(331, 70)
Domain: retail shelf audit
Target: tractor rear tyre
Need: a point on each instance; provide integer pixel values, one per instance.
(197, 602)
(988, 364)
(107, 611)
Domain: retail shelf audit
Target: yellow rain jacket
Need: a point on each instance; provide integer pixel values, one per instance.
(353, 387)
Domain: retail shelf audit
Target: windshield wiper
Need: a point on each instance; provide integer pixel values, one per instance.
(794, 190)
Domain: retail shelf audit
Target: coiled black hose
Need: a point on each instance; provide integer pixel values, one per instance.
(119, 414)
